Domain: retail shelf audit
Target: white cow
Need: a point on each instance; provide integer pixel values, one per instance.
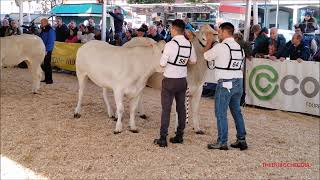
(124, 70)
(29, 48)
(196, 72)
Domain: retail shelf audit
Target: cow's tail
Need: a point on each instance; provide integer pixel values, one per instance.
(187, 104)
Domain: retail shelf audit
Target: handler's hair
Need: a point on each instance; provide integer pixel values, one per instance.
(227, 27)
(179, 25)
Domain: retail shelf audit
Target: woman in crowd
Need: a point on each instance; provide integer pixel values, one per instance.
(73, 32)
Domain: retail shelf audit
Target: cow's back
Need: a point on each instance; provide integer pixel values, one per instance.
(108, 65)
(15, 49)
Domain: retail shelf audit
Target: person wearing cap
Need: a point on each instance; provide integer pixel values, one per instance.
(176, 55)
(229, 58)
(309, 24)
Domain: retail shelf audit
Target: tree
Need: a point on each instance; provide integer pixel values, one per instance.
(149, 1)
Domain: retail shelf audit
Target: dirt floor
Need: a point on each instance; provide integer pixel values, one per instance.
(40, 133)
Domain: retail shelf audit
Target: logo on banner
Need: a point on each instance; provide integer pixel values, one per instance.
(272, 84)
(269, 73)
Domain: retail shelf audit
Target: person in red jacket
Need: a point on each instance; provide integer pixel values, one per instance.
(73, 32)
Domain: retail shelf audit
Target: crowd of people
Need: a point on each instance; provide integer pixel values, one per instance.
(304, 45)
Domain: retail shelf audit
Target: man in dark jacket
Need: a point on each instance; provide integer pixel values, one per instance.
(118, 21)
(279, 41)
(153, 34)
(48, 37)
(62, 31)
(296, 50)
(261, 42)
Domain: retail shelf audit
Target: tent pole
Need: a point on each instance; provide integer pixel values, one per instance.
(104, 20)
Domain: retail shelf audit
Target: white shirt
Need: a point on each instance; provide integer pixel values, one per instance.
(170, 53)
(220, 53)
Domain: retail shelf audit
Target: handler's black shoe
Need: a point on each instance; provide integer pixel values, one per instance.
(176, 140)
(162, 142)
(49, 82)
(242, 144)
(218, 146)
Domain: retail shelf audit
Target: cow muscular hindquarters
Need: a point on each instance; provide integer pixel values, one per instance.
(108, 67)
(19, 48)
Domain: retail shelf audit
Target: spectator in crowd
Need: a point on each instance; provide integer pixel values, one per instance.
(161, 30)
(118, 21)
(88, 35)
(91, 23)
(48, 37)
(127, 37)
(13, 29)
(125, 27)
(153, 34)
(82, 29)
(316, 56)
(308, 40)
(238, 37)
(309, 24)
(32, 29)
(61, 30)
(277, 44)
(296, 50)
(188, 25)
(73, 33)
(145, 29)
(261, 42)
(4, 27)
(140, 32)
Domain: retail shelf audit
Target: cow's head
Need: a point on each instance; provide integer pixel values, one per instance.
(203, 31)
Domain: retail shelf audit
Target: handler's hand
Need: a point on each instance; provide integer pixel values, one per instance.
(273, 58)
(282, 59)
(299, 60)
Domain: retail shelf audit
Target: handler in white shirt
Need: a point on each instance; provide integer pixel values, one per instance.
(176, 55)
(228, 57)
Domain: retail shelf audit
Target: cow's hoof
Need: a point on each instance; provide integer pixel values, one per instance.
(115, 119)
(200, 132)
(116, 132)
(134, 130)
(143, 116)
(77, 115)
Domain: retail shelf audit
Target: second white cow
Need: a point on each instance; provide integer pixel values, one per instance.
(124, 70)
(29, 48)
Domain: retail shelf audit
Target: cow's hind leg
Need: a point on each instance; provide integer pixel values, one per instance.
(118, 95)
(106, 100)
(82, 79)
(36, 76)
(134, 102)
(141, 111)
(195, 103)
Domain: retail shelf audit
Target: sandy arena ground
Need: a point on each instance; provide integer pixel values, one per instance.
(40, 133)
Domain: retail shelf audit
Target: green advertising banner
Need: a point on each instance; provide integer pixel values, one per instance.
(289, 85)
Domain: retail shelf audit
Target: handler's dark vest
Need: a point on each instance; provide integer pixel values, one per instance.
(181, 59)
(235, 63)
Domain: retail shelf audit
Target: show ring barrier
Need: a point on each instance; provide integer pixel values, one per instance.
(288, 85)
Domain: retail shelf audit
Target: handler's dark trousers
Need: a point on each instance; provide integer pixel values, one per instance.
(173, 88)
(46, 67)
